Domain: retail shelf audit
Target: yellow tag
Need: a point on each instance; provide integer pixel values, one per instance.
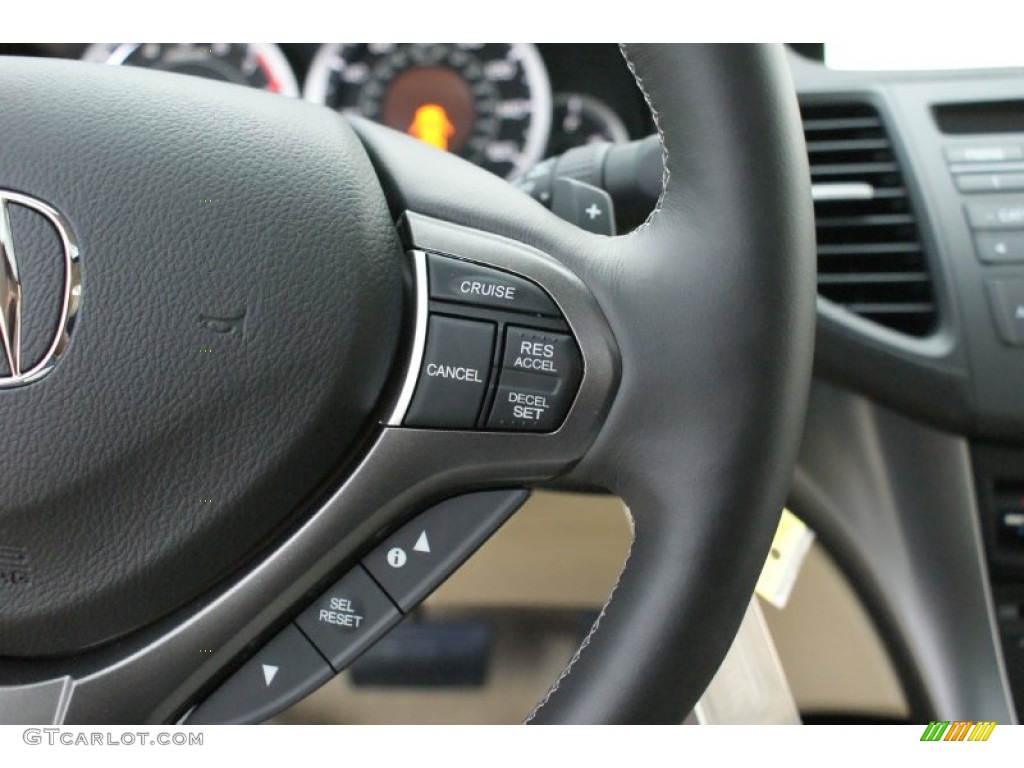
(789, 548)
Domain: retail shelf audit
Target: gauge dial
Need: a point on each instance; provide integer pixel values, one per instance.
(579, 119)
(260, 65)
(487, 102)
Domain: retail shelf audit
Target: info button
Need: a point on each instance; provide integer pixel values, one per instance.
(468, 283)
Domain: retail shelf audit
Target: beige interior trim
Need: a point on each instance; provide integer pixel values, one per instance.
(832, 654)
(561, 550)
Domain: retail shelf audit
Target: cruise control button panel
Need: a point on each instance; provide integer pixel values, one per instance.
(486, 364)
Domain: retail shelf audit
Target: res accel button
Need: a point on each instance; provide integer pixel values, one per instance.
(468, 283)
(453, 378)
(538, 351)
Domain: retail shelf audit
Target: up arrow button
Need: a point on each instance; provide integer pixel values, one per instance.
(422, 544)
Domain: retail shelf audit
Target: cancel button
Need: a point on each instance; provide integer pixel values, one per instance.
(453, 379)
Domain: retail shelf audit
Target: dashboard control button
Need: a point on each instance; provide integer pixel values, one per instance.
(531, 402)
(280, 674)
(453, 377)
(536, 351)
(1004, 215)
(468, 283)
(988, 153)
(1007, 300)
(990, 182)
(348, 618)
(414, 561)
(1000, 247)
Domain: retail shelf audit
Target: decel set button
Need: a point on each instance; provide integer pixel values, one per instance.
(527, 402)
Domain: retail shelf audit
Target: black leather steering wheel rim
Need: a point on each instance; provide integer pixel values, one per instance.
(730, 247)
(711, 308)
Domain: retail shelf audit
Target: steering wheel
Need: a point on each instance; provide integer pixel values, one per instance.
(219, 311)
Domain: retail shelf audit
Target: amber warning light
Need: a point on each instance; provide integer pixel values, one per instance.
(431, 125)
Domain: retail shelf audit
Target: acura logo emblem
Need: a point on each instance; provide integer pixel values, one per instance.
(13, 305)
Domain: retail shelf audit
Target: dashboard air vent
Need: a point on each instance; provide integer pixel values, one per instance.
(870, 257)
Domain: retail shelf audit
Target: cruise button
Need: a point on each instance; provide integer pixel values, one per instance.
(454, 375)
(468, 283)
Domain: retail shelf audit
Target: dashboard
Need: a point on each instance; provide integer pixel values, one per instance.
(912, 470)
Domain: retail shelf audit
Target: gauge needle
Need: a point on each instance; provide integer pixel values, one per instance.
(273, 84)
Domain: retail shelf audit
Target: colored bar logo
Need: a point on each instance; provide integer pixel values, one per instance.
(958, 730)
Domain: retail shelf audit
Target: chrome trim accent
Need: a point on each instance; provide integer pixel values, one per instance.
(854, 190)
(750, 687)
(43, 703)
(419, 341)
(540, 95)
(10, 292)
